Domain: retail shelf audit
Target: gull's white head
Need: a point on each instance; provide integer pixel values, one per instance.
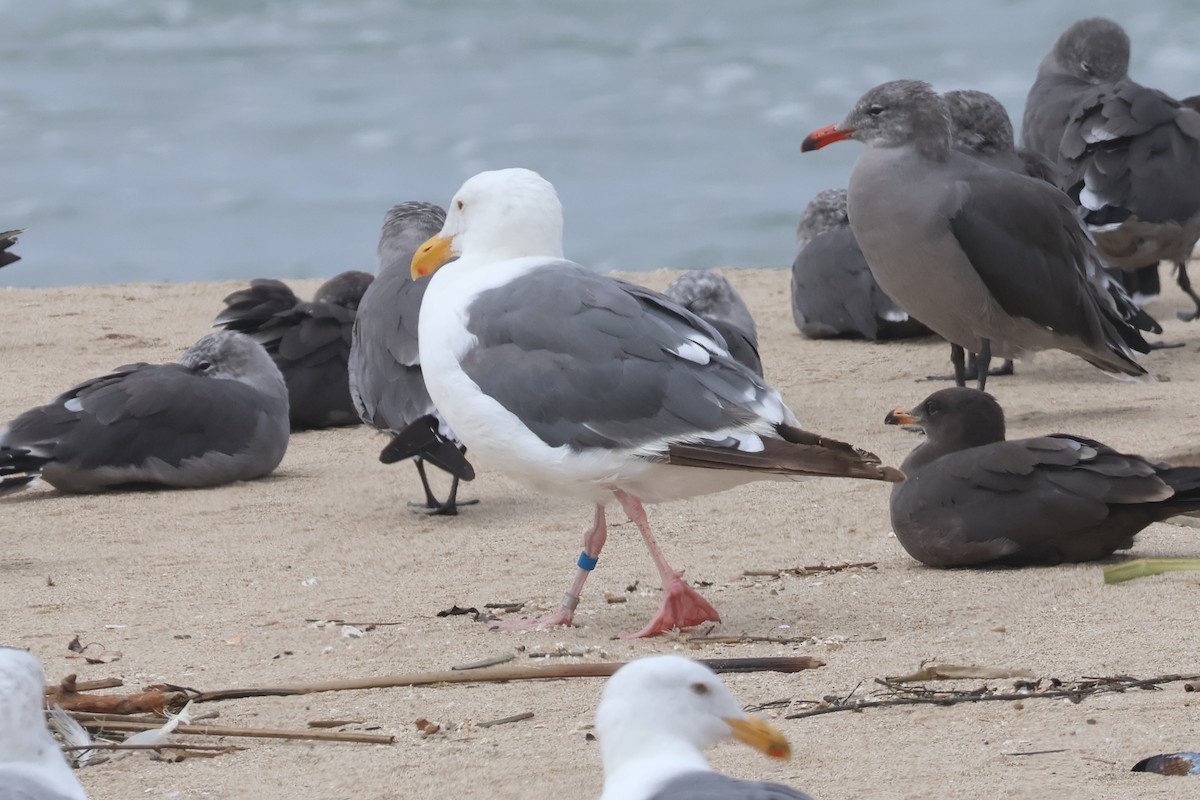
(496, 216)
(663, 711)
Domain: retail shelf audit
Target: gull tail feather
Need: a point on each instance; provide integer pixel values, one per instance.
(797, 453)
(422, 439)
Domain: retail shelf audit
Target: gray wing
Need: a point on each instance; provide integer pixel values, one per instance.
(714, 786)
(1006, 219)
(1034, 500)
(385, 366)
(251, 309)
(164, 412)
(615, 365)
(834, 293)
(19, 786)
(1132, 150)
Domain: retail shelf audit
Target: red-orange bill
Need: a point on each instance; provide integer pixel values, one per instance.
(827, 135)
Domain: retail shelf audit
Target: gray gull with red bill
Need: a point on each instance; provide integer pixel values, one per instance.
(1130, 154)
(309, 341)
(217, 416)
(993, 261)
(32, 766)
(587, 386)
(386, 381)
(656, 717)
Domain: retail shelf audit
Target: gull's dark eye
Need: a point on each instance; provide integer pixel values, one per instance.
(460, 205)
(204, 366)
(1086, 67)
(875, 110)
(932, 408)
(700, 688)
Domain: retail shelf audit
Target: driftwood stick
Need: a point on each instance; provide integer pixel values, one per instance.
(217, 748)
(258, 733)
(69, 684)
(502, 674)
(1076, 695)
(506, 720)
(153, 702)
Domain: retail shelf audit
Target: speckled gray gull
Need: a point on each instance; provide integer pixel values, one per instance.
(309, 342)
(834, 294)
(217, 416)
(973, 498)
(32, 766)
(980, 127)
(1130, 154)
(386, 382)
(656, 717)
(579, 384)
(712, 298)
(988, 259)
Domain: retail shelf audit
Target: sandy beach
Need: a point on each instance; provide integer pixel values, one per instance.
(218, 589)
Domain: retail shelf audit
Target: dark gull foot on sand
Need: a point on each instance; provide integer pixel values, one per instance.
(219, 415)
(834, 294)
(583, 385)
(32, 766)
(712, 298)
(385, 366)
(1130, 154)
(309, 342)
(973, 498)
(656, 717)
(991, 260)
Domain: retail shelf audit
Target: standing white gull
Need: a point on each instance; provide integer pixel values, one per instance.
(584, 385)
(656, 717)
(32, 766)
(385, 366)
(219, 415)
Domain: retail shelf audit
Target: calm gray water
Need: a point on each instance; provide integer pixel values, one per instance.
(200, 139)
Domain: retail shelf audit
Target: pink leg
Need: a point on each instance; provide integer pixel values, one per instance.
(593, 543)
(682, 605)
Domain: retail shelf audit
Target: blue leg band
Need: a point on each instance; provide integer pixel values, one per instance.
(587, 562)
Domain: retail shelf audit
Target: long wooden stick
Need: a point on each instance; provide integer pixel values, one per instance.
(788, 664)
(70, 684)
(258, 733)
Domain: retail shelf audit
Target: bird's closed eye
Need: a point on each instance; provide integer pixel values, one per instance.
(875, 110)
(204, 366)
(700, 688)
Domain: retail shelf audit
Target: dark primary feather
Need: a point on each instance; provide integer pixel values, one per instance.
(974, 498)
(714, 786)
(1003, 218)
(7, 240)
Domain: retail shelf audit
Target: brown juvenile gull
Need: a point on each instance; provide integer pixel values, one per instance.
(973, 498)
(1130, 154)
(656, 717)
(712, 298)
(219, 415)
(834, 294)
(32, 766)
(386, 382)
(309, 341)
(993, 261)
(592, 387)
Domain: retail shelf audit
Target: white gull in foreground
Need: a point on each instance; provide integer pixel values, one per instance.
(32, 766)
(656, 717)
(592, 387)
